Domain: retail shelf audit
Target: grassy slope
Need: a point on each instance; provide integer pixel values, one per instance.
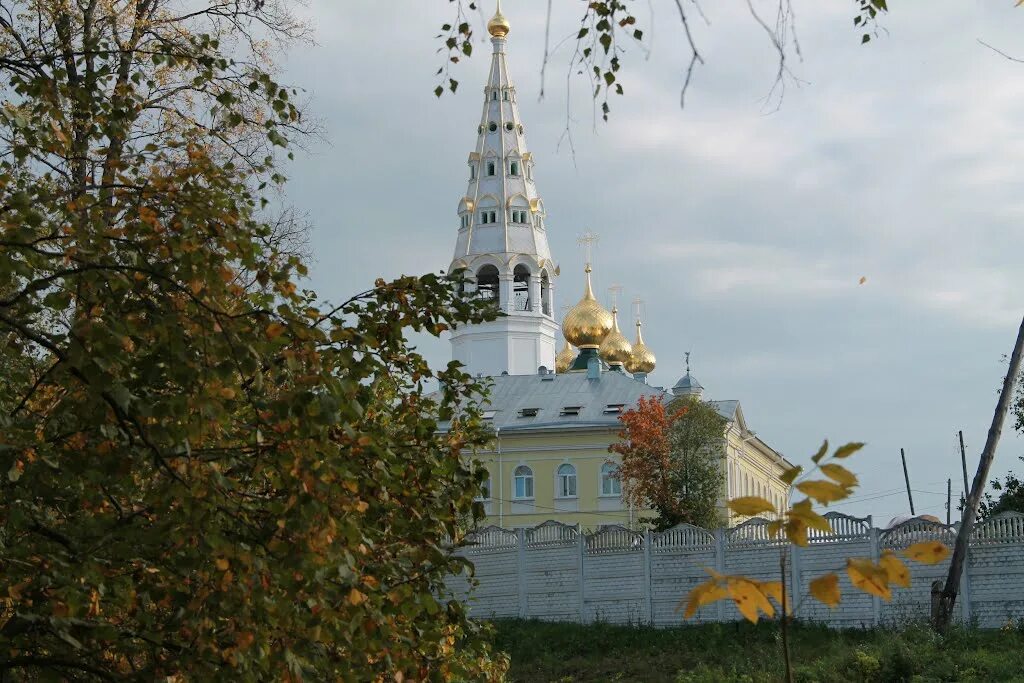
(545, 652)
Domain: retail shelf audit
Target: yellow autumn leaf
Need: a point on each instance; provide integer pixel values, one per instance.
(774, 528)
(823, 491)
(356, 597)
(929, 552)
(847, 450)
(222, 564)
(796, 532)
(750, 505)
(749, 599)
(773, 590)
(816, 458)
(839, 474)
(704, 594)
(275, 330)
(894, 567)
(808, 516)
(866, 576)
(790, 475)
(825, 589)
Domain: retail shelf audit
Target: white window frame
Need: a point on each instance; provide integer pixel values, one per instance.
(524, 473)
(615, 482)
(566, 483)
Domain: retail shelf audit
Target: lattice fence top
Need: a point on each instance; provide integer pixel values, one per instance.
(551, 533)
(844, 528)
(682, 537)
(1006, 527)
(917, 530)
(614, 539)
(754, 531)
(491, 538)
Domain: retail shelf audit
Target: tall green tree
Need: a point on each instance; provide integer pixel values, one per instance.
(201, 478)
(1009, 497)
(673, 461)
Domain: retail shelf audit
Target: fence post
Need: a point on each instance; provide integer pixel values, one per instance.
(876, 603)
(582, 545)
(720, 566)
(521, 536)
(648, 587)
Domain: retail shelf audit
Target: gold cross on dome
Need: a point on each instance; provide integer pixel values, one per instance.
(615, 291)
(587, 240)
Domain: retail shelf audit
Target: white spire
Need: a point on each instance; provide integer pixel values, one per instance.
(502, 239)
(501, 179)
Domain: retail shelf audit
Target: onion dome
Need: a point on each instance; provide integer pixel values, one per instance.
(642, 359)
(615, 348)
(498, 26)
(564, 358)
(587, 323)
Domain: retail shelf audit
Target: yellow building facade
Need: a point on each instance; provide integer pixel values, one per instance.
(550, 459)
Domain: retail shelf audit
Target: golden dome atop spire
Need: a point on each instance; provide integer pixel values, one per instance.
(615, 349)
(498, 26)
(563, 361)
(588, 323)
(642, 358)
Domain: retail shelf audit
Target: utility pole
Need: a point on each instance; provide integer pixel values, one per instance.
(949, 499)
(963, 461)
(906, 478)
(956, 564)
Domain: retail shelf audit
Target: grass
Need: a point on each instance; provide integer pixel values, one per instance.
(719, 653)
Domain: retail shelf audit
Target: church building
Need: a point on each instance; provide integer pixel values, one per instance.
(554, 415)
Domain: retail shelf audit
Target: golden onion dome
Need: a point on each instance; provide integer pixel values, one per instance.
(564, 359)
(498, 26)
(642, 359)
(587, 324)
(615, 348)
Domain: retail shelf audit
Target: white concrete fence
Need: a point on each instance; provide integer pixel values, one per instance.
(555, 572)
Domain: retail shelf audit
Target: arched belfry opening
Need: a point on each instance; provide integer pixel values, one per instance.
(487, 285)
(545, 293)
(521, 287)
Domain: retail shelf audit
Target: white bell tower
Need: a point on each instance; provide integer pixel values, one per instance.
(502, 242)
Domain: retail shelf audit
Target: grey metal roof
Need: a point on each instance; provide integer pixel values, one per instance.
(688, 381)
(550, 395)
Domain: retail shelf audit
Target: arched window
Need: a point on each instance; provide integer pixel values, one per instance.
(487, 282)
(513, 168)
(490, 168)
(521, 287)
(566, 484)
(494, 95)
(472, 171)
(545, 293)
(523, 482)
(505, 95)
(610, 483)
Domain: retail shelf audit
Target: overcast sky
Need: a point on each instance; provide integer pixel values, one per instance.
(745, 229)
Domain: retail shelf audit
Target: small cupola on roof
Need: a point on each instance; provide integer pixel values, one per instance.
(688, 384)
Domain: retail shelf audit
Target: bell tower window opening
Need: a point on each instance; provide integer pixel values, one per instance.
(494, 95)
(545, 293)
(492, 126)
(472, 171)
(487, 285)
(513, 168)
(505, 95)
(488, 217)
(490, 168)
(521, 287)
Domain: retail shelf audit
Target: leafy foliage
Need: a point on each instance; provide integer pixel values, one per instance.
(205, 472)
(1010, 497)
(672, 460)
(753, 598)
